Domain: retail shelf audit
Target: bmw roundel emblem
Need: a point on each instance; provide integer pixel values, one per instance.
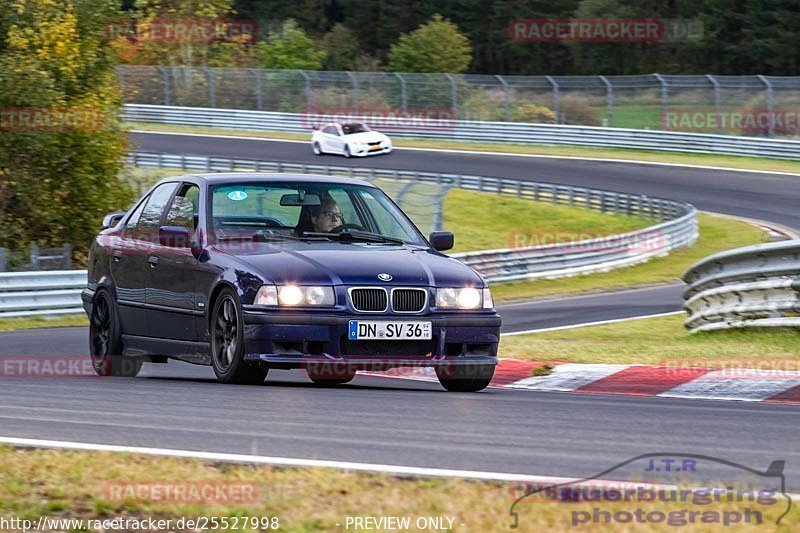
(383, 276)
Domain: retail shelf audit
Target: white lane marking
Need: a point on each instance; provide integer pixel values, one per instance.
(479, 152)
(736, 384)
(587, 324)
(568, 377)
(287, 461)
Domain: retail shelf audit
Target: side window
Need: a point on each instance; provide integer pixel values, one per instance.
(331, 130)
(184, 209)
(147, 228)
(133, 220)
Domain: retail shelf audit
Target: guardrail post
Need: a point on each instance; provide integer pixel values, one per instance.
(355, 90)
(717, 101)
(505, 96)
(609, 101)
(770, 104)
(664, 97)
(67, 256)
(403, 93)
(165, 82)
(3, 254)
(453, 95)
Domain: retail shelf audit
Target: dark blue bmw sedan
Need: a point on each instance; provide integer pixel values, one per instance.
(248, 272)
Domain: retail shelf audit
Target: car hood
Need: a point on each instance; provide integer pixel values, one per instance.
(351, 264)
(366, 137)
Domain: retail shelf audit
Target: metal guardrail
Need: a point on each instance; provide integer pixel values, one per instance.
(54, 292)
(58, 258)
(754, 286)
(475, 131)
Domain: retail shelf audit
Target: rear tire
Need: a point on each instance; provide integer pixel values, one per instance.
(105, 340)
(465, 378)
(227, 343)
(316, 148)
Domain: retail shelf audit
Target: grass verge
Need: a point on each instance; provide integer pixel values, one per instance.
(31, 322)
(87, 485)
(740, 162)
(660, 340)
(717, 233)
(483, 221)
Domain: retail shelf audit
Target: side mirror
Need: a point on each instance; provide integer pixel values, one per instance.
(174, 237)
(441, 240)
(112, 219)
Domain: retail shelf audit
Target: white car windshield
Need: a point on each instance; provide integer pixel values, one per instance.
(349, 129)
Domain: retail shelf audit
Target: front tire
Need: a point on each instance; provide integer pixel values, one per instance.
(347, 151)
(227, 343)
(105, 340)
(465, 378)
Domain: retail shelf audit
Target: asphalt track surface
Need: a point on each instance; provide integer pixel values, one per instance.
(400, 422)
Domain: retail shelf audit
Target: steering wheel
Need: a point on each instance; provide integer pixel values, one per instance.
(343, 227)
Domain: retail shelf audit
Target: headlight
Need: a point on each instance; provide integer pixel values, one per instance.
(460, 298)
(295, 295)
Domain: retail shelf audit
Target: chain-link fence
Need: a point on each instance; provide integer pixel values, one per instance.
(737, 105)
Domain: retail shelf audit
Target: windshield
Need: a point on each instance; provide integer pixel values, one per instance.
(349, 129)
(254, 210)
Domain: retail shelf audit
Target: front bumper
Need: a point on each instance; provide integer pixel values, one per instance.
(294, 340)
(364, 151)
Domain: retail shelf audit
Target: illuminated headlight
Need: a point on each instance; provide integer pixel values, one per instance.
(464, 298)
(295, 295)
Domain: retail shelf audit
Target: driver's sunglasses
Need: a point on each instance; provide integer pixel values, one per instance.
(333, 215)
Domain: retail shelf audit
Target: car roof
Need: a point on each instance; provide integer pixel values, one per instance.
(216, 178)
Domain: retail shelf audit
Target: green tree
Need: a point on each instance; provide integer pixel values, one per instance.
(341, 47)
(58, 179)
(437, 46)
(290, 48)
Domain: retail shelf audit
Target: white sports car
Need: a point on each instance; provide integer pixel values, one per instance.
(353, 139)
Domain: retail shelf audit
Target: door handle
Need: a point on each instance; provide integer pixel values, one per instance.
(153, 260)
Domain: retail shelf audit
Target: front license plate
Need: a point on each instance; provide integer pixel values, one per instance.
(375, 148)
(375, 330)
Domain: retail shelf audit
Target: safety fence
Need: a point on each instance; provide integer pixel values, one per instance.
(640, 102)
(754, 286)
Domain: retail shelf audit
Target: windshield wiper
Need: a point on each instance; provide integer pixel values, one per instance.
(356, 235)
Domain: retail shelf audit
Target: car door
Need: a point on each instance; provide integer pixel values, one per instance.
(171, 299)
(129, 268)
(333, 139)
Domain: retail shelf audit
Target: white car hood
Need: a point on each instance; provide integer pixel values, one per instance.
(366, 137)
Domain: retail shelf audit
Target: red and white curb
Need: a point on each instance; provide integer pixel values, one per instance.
(639, 380)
